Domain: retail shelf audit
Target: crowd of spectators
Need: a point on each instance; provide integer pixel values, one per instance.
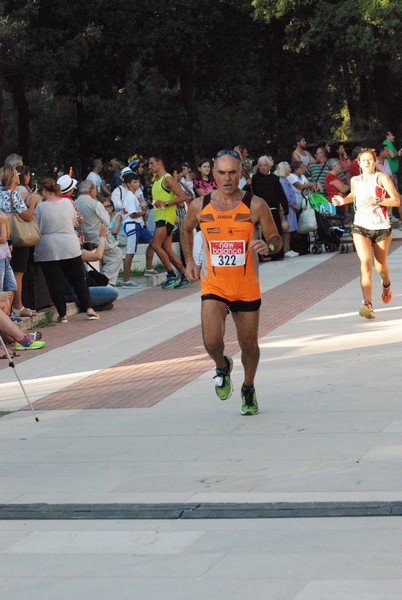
(103, 218)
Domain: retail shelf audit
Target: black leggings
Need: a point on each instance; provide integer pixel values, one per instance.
(70, 268)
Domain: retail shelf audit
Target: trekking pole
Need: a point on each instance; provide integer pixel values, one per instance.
(12, 365)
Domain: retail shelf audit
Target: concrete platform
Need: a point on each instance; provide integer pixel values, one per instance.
(128, 416)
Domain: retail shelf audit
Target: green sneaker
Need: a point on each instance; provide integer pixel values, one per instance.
(183, 283)
(170, 283)
(249, 404)
(223, 383)
(366, 310)
(34, 345)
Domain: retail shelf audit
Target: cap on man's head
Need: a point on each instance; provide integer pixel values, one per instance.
(125, 171)
(66, 183)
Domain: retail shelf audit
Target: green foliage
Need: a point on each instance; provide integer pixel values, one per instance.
(185, 77)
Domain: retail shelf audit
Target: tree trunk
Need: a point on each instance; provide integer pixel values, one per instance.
(349, 94)
(1, 120)
(190, 106)
(18, 92)
(79, 105)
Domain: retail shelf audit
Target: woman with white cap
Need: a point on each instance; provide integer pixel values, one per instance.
(67, 186)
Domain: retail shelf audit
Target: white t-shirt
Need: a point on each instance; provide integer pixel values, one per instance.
(131, 205)
(118, 196)
(95, 178)
(384, 167)
(293, 178)
(189, 184)
(141, 199)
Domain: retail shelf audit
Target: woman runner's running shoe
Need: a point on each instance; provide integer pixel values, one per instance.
(386, 295)
(366, 310)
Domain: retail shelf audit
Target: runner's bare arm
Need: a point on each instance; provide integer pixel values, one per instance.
(338, 200)
(261, 214)
(387, 183)
(176, 188)
(187, 237)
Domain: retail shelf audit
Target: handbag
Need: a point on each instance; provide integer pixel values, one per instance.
(23, 233)
(307, 220)
(95, 278)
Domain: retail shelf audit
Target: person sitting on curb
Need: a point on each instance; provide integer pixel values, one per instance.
(102, 296)
(95, 214)
(10, 331)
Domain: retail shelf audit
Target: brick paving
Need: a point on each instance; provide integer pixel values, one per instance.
(150, 376)
(134, 305)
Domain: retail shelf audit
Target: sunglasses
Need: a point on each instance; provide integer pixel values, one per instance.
(107, 206)
(230, 152)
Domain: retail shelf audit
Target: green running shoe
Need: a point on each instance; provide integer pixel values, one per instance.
(366, 310)
(170, 283)
(249, 405)
(223, 383)
(183, 283)
(34, 345)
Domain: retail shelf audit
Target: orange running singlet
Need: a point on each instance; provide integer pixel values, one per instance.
(229, 266)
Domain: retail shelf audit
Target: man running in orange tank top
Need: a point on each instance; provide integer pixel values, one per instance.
(229, 219)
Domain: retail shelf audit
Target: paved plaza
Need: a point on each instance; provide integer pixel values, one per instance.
(137, 482)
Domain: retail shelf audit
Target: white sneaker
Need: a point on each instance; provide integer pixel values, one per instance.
(150, 272)
(130, 284)
(291, 254)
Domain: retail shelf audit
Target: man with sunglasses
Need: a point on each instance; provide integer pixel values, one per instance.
(229, 219)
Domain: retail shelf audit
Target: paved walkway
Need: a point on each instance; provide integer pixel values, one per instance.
(128, 418)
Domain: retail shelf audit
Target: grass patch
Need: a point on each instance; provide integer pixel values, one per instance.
(44, 322)
(3, 413)
(140, 272)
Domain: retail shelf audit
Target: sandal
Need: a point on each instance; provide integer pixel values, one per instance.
(13, 354)
(93, 316)
(24, 312)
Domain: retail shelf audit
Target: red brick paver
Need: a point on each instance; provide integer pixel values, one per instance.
(150, 376)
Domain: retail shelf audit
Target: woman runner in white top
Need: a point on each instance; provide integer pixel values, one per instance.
(372, 192)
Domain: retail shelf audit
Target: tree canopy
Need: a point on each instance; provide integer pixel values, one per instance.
(94, 78)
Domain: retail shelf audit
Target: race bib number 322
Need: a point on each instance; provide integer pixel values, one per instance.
(227, 254)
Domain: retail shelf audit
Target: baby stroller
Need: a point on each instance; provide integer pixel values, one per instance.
(330, 227)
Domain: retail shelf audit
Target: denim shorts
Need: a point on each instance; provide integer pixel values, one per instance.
(375, 235)
(7, 278)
